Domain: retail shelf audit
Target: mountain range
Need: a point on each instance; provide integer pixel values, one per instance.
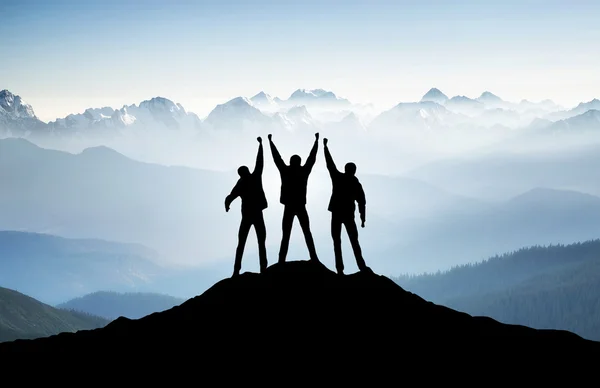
(304, 110)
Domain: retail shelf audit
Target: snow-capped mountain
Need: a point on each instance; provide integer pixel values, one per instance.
(91, 118)
(414, 115)
(304, 111)
(158, 112)
(316, 99)
(300, 115)
(236, 114)
(16, 115)
(465, 105)
(490, 100)
(265, 102)
(296, 119)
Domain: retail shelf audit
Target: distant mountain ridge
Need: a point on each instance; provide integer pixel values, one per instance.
(434, 110)
(57, 268)
(112, 305)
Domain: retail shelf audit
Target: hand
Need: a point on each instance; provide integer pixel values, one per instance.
(317, 135)
(226, 208)
(362, 224)
(325, 141)
(259, 139)
(270, 136)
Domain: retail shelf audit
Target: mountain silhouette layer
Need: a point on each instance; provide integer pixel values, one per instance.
(305, 311)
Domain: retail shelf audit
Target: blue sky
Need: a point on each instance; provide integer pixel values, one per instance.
(65, 56)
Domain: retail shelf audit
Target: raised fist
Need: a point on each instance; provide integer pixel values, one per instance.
(270, 136)
(259, 139)
(317, 135)
(325, 141)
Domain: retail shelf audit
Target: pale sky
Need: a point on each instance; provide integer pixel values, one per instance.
(65, 56)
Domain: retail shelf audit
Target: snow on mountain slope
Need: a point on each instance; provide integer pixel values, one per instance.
(465, 105)
(264, 102)
(236, 114)
(316, 99)
(16, 115)
(492, 101)
(157, 112)
(413, 115)
(304, 110)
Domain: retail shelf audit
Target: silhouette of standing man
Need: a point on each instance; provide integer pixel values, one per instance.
(294, 180)
(249, 188)
(346, 190)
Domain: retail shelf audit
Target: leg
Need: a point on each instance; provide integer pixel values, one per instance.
(286, 226)
(242, 237)
(352, 230)
(261, 237)
(336, 235)
(305, 224)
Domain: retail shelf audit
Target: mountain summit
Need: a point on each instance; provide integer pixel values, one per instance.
(435, 95)
(301, 308)
(16, 114)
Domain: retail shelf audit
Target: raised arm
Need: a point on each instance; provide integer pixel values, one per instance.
(328, 159)
(235, 192)
(276, 157)
(260, 160)
(362, 204)
(312, 157)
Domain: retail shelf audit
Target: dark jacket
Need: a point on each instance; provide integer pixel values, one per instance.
(294, 180)
(347, 190)
(250, 189)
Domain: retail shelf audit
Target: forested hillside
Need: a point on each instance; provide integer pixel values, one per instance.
(557, 286)
(24, 317)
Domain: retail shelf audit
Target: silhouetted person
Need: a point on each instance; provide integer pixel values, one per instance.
(294, 179)
(346, 191)
(249, 188)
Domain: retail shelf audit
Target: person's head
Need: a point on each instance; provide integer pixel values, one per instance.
(295, 161)
(243, 171)
(350, 168)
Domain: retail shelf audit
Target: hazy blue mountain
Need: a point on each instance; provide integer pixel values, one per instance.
(100, 193)
(540, 216)
(112, 305)
(179, 211)
(53, 269)
(23, 317)
(501, 175)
